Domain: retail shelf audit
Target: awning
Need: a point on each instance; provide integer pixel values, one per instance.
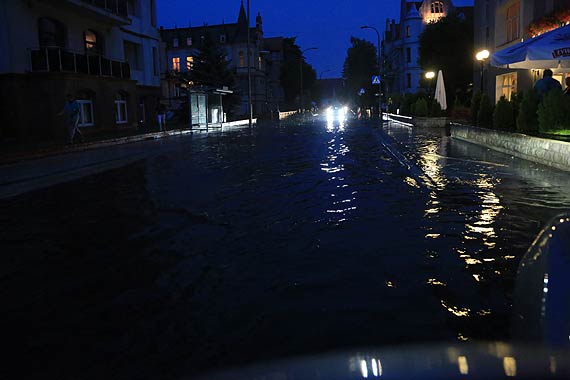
(547, 51)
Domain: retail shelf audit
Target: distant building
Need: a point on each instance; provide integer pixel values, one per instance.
(105, 52)
(181, 45)
(401, 42)
(504, 23)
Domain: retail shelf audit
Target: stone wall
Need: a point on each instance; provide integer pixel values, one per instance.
(543, 151)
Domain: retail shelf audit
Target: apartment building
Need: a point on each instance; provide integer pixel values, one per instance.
(105, 52)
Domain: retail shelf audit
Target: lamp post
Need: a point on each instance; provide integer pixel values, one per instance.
(482, 56)
(301, 75)
(379, 70)
(249, 101)
(429, 76)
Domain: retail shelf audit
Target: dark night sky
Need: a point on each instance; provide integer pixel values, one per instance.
(327, 25)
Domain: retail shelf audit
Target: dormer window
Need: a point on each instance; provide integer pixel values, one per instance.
(437, 7)
(175, 42)
(223, 39)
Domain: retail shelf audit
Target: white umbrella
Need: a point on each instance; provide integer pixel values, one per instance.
(440, 91)
(549, 50)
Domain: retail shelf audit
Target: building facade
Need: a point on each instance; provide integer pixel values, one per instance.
(401, 43)
(181, 45)
(104, 52)
(500, 24)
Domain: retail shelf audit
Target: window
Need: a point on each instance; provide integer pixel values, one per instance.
(175, 42)
(408, 31)
(121, 108)
(132, 7)
(155, 69)
(175, 64)
(259, 62)
(189, 41)
(436, 7)
(513, 22)
(85, 112)
(189, 63)
(409, 80)
(142, 110)
(223, 39)
(506, 85)
(92, 42)
(132, 53)
(241, 59)
(51, 33)
(408, 55)
(152, 13)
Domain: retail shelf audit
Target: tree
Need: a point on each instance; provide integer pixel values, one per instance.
(448, 45)
(290, 73)
(359, 67)
(211, 68)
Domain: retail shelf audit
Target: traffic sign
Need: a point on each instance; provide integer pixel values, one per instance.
(376, 79)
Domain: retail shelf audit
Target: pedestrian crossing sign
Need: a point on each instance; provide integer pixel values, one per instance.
(376, 79)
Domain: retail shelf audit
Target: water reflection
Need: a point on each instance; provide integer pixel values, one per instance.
(342, 200)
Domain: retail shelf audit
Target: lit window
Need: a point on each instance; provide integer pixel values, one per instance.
(189, 63)
(437, 7)
(92, 43)
(176, 64)
(189, 41)
(506, 85)
(241, 59)
(121, 109)
(175, 42)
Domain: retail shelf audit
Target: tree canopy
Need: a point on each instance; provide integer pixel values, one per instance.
(359, 67)
(291, 75)
(211, 68)
(447, 45)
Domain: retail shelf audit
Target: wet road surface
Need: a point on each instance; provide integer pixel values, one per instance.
(209, 251)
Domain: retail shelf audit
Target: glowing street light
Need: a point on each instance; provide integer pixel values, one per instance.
(430, 75)
(482, 56)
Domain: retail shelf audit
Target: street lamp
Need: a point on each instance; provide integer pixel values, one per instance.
(482, 56)
(301, 74)
(429, 76)
(379, 71)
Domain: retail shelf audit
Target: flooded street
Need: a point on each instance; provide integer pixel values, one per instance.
(223, 249)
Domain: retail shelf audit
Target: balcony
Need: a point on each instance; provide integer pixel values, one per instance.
(58, 60)
(114, 12)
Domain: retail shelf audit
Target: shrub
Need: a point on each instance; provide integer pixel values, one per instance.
(435, 109)
(527, 119)
(421, 108)
(485, 114)
(554, 112)
(475, 103)
(503, 116)
(516, 100)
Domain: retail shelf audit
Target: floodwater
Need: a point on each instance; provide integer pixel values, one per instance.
(240, 247)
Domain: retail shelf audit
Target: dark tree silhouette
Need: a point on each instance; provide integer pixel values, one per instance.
(359, 67)
(291, 76)
(447, 45)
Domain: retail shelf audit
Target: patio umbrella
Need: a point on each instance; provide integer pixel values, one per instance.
(549, 50)
(440, 91)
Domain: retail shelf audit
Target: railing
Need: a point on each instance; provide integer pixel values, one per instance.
(54, 59)
(118, 7)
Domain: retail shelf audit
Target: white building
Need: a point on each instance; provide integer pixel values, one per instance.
(401, 43)
(105, 52)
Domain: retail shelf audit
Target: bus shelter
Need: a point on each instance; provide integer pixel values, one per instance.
(207, 107)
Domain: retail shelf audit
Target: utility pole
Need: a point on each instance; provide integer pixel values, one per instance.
(249, 102)
(379, 70)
